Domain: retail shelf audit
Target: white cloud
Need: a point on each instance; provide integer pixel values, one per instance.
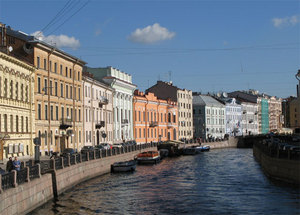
(286, 21)
(151, 34)
(58, 40)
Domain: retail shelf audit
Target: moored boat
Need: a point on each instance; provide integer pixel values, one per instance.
(202, 148)
(125, 166)
(189, 151)
(151, 157)
(164, 153)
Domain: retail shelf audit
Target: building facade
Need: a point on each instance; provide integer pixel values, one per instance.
(249, 118)
(184, 99)
(275, 114)
(97, 111)
(17, 110)
(58, 91)
(154, 119)
(233, 117)
(295, 108)
(209, 117)
(121, 82)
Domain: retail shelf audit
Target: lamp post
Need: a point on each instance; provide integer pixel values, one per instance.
(298, 87)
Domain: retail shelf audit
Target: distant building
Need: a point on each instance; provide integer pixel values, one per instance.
(184, 99)
(209, 117)
(121, 82)
(97, 111)
(295, 108)
(17, 112)
(233, 117)
(154, 119)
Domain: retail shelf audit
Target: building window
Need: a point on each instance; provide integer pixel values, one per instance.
(70, 73)
(62, 113)
(78, 76)
(22, 124)
(46, 112)
(51, 112)
(11, 123)
(46, 138)
(39, 112)
(50, 88)
(11, 89)
(75, 93)
(26, 94)
(67, 91)
(45, 64)
(71, 92)
(79, 115)
(17, 123)
(56, 112)
(27, 125)
(38, 62)
(55, 67)
(169, 117)
(39, 84)
(79, 136)
(55, 88)
(79, 94)
(17, 89)
(22, 92)
(45, 86)
(5, 88)
(5, 123)
(50, 66)
(66, 71)
(61, 90)
(61, 69)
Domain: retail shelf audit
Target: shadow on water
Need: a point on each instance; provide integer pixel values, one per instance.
(225, 181)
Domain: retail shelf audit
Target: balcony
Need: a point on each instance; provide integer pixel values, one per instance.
(124, 121)
(153, 124)
(65, 123)
(102, 101)
(100, 124)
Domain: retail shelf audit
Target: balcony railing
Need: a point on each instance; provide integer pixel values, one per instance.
(102, 101)
(124, 121)
(100, 124)
(153, 124)
(65, 123)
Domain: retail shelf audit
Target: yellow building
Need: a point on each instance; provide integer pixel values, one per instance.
(58, 90)
(17, 123)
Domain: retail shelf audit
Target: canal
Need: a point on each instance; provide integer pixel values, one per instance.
(223, 181)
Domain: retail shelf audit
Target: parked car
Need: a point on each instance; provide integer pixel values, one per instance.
(86, 149)
(68, 152)
(99, 147)
(106, 145)
(117, 145)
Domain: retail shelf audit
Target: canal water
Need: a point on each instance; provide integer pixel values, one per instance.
(223, 181)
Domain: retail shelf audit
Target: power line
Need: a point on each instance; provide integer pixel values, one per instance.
(70, 16)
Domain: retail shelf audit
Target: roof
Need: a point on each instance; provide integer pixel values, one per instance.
(31, 39)
(206, 101)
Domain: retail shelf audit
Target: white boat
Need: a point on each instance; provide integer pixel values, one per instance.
(125, 166)
(202, 148)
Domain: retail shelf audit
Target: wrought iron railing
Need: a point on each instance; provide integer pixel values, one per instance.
(34, 172)
(7, 180)
(45, 166)
(78, 158)
(83, 157)
(22, 176)
(66, 161)
(58, 163)
(73, 159)
(91, 155)
(97, 154)
(103, 153)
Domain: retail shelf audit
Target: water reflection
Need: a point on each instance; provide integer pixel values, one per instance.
(226, 181)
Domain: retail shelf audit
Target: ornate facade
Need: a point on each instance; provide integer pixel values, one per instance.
(17, 110)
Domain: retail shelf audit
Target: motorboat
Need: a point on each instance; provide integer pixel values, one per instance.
(126, 166)
(148, 157)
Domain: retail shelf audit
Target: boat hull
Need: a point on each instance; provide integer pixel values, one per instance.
(127, 166)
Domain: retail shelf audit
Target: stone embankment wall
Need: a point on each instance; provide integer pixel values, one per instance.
(230, 143)
(28, 196)
(278, 168)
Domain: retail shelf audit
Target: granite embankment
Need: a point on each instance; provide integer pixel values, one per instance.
(32, 194)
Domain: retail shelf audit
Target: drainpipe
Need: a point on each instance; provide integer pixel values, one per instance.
(49, 108)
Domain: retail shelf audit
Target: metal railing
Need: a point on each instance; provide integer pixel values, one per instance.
(91, 155)
(73, 159)
(58, 163)
(7, 180)
(66, 161)
(83, 157)
(22, 176)
(34, 171)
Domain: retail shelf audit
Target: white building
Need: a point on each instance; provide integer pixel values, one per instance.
(98, 111)
(121, 82)
(233, 117)
(209, 117)
(249, 118)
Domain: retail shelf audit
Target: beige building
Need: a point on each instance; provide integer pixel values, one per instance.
(185, 113)
(97, 111)
(58, 90)
(275, 114)
(16, 107)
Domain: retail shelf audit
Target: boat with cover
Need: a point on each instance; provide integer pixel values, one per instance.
(125, 166)
(148, 157)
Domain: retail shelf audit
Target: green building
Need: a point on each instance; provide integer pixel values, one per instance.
(264, 116)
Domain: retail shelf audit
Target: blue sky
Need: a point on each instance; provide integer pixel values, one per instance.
(202, 45)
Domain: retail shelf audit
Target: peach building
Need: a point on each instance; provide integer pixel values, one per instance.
(154, 119)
